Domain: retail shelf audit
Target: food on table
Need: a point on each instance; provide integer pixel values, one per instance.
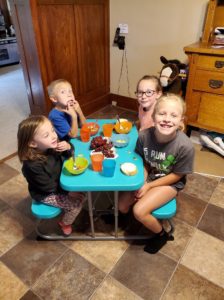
(129, 169)
(121, 141)
(100, 144)
(93, 127)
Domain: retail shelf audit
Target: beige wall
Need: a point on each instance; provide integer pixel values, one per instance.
(156, 27)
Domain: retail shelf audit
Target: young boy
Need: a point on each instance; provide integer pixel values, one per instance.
(67, 115)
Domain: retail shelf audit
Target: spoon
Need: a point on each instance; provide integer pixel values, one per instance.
(74, 164)
(118, 119)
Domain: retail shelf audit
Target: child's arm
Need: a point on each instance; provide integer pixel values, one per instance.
(74, 125)
(79, 112)
(162, 181)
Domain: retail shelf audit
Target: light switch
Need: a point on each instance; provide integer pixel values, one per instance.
(123, 28)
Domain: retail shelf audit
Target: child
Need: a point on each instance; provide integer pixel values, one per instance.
(67, 115)
(41, 155)
(148, 91)
(168, 156)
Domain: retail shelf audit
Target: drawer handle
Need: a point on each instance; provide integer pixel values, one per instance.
(219, 64)
(215, 84)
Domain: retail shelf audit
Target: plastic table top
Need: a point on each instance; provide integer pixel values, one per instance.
(95, 181)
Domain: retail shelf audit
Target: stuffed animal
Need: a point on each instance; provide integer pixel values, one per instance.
(173, 76)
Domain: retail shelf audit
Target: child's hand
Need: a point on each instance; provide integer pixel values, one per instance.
(76, 106)
(142, 191)
(70, 110)
(63, 146)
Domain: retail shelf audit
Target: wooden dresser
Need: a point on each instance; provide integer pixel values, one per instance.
(205, 88)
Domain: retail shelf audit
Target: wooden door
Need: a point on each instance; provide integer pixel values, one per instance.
(67, 39)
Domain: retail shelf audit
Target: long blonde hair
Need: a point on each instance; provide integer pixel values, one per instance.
(26, 131)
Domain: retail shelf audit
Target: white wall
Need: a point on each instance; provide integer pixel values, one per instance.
(156, 27)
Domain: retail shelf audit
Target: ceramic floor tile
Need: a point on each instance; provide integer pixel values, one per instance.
(13, 228)
(204, 255)
(3, 206)
(14, 163)
(30, 258)
(196, 186)
(217, 196)
(14, 190)
(189, 208)
(111, 289)
(71, 277)
(6, 173)
(212, 221)
(145, 274)
(103, 255)
(185, 285)
(24, 207)
(30, 296)
(182, 234)
(11, 287)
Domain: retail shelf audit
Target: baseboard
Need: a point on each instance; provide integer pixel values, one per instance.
(124, 102)
(8, 157)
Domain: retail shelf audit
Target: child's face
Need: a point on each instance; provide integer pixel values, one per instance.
(63, 95)
(168, 117)
(45, 137)
(147, 86)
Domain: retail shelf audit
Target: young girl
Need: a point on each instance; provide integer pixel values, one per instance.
(42, 157)
(148, 91)
(168, 156)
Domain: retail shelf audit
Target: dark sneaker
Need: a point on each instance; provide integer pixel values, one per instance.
(156, 243)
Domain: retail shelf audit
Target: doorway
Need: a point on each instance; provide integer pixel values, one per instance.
(14, 107)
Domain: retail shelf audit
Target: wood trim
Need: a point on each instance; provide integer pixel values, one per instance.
(125, 102)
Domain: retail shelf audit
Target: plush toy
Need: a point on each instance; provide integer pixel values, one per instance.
(213, 140)
(173, 76)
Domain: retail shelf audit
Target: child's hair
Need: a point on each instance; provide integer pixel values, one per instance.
(51, 87)
(154, 79)
(27, 129)
(171, 97)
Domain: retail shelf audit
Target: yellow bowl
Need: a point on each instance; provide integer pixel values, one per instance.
(81, 164)
(123, 127)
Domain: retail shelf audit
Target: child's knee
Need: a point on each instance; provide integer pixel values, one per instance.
(123, 207)
(138, 213)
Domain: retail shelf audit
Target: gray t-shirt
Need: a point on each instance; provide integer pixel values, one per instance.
(176, 156)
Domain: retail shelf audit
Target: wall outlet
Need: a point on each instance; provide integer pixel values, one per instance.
(114, 103)
(123, 28)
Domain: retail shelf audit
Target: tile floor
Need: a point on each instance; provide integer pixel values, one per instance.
(190, 267)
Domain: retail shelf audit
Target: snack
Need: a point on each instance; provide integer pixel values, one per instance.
(129, 169)
(99, 144)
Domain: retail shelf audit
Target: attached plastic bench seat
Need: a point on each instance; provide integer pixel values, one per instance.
(166, 212)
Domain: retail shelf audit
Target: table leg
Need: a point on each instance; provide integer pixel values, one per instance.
(90, 206)
(116, 213)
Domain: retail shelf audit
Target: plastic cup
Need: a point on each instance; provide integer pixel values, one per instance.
(108, 129)
(109, 167)
(85, 134)
(97, 160)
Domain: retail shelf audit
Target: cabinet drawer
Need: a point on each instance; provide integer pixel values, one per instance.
(211, 111)
(207, 81)
(213, 63)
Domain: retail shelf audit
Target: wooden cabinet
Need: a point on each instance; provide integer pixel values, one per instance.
(64, 39)
(205, 88)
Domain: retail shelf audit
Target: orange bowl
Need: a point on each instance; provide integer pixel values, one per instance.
(93, 127)
(123, 127)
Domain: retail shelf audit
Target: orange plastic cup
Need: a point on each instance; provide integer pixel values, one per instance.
(85, 134)
(97, 160)
(108, 129)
